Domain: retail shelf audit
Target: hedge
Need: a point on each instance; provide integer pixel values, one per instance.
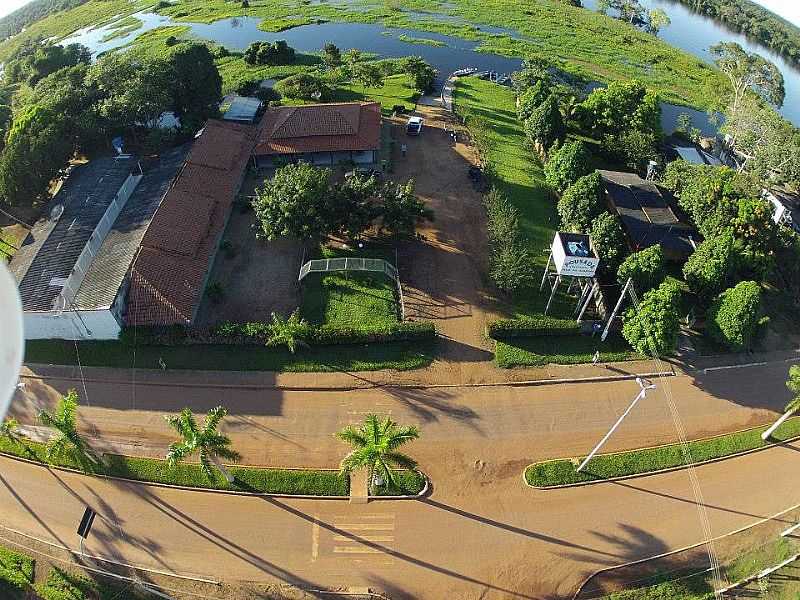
(647, 460)
(257, 333)
(503, 329)
(249, 479)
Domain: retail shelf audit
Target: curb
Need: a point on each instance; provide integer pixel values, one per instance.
(682, 549)
(659, 471)
(211, 490)
(420, 494)
(371, 386)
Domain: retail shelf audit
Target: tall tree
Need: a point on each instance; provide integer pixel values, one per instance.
(656, 19)
(331, 55)
(748, 71)
(67, 443)
(195, 84)
(375, 448)
(207, 442)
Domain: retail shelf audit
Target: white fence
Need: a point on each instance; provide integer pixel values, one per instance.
(73, 283)
(326, 265)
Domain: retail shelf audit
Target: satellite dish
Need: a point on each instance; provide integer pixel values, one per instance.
(56, 212)
(11, 342)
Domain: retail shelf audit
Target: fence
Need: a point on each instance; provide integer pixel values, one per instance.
(73, 283)
(371, 265)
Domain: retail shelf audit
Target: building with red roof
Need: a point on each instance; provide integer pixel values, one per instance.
(320, 134)
(170, 272)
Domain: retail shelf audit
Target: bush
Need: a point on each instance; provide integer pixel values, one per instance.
(710, 267)
(16, 574)
(608, 241)
(735, 316)
(581, 203)
(505, 329)
(531, 99)
(645, 268)
(652, 327)
(566, 164)
(265, 53)
(304, 86)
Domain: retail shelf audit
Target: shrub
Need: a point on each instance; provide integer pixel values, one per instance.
(608, 241)
(304, 86)
(645, 267)
(710, 267)
(566, 164)
(503, 329)
(215, 292)
(265, 53)
(532, 98)
(734, 318)
(581, 203)
(652, 327)
(16, 574)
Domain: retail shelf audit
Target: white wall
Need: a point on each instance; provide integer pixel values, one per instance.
(71, 326)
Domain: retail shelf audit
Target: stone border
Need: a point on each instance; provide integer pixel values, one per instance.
(659, 471)
(200, 489)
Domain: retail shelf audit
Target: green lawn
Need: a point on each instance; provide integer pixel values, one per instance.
(396, 90)
(359, 300)
(317, 359)
(635, 462)
(250, 479)
(560, 350)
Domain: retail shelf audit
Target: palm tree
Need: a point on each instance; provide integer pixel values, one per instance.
(793, 383)
(208, 442)
(68, 443)
(375, 445)
(291, 332)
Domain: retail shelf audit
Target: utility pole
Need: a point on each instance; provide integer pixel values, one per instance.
(644, 386)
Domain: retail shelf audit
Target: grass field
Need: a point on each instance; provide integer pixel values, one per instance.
(635, 462)
(371, 357)
(560, 350)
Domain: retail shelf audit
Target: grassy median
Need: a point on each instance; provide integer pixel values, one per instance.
(560, 350)
(409, 483)
(636, 462)
(248, 479)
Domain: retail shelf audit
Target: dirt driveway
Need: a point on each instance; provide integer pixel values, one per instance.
(443, 275)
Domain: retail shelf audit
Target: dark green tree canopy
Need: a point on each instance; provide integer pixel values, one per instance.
(566, 165)
(608, 241)
(546, 125)
(734, 318)
(646, 268)
(651, 328)
(711, 267)
(581, 203)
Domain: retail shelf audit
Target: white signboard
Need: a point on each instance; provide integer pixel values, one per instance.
(568, 259)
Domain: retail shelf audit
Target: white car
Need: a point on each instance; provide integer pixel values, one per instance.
(414, 126)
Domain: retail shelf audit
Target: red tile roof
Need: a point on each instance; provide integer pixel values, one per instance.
(354, 126)
(169, 272)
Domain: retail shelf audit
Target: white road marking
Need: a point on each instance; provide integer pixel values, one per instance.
(365, 526)
(364, 538)
(315, 538)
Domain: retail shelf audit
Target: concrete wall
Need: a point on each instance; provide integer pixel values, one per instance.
(101, 325)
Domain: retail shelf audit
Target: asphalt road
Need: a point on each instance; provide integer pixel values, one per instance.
(481, 534)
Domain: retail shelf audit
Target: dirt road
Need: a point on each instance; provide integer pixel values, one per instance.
(443, 276)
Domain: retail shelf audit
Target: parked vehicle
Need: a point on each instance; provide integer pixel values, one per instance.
(414, 126)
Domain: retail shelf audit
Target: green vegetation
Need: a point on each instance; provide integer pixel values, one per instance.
(16, 574)
(358, 300)
(375, 446)
(407, 483)
(417, 40)
(637, 462)
(250, 479)
(561, 350)
(582, 42)
(700, 586)
(401, 356)
(121, 28)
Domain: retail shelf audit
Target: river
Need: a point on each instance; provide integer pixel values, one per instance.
(689, 31)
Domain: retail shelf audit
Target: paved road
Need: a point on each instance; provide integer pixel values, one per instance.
(480, 535)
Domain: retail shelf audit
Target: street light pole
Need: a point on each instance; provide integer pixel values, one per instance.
(645, 386)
